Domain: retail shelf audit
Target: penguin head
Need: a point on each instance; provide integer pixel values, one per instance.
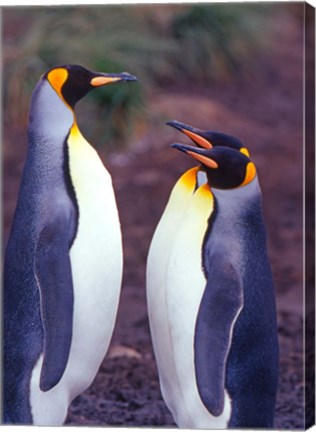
(226, 167)
(209, 139)
(73, 82)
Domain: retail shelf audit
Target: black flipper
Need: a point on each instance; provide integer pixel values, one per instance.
(220, 304)
(53, 273)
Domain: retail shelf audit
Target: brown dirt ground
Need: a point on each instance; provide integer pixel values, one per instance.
(266, 114)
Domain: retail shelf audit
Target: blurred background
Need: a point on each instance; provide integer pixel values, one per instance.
(235, 68)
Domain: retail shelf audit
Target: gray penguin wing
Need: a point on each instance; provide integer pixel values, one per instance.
(54, 277)
(219, 307)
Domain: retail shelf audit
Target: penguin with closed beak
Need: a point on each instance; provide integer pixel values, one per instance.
(210, 294)
(63, 263)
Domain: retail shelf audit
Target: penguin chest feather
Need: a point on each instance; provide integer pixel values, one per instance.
(96, 254)
(175, 290)
(157, 267)
(96, 265)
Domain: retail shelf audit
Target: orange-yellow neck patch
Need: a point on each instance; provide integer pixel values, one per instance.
(57, 78)
(244, 151)
(188, 179)
(205, 191)
(250, 173)
(75, 132)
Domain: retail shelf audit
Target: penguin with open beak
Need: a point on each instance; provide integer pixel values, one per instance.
(63, 263)
(209, 139)
(210, 292)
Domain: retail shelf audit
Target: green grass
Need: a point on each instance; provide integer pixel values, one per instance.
(220, 41)
(161, 44)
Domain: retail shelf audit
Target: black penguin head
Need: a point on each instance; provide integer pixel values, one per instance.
(226, 168)
(209, 139)
(73, 82)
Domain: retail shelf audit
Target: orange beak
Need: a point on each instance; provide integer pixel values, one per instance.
(193, 133)
(108, 78)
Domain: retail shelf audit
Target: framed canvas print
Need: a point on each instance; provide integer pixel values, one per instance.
(158, 242)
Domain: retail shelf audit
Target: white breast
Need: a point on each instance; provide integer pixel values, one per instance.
(96, 260)
(157, 267)
(175, 285)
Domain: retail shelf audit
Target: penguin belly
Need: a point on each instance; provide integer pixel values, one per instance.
(182, 287)
(96, 262)
(157, 265)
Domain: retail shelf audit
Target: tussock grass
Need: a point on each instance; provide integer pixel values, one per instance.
(161, 44)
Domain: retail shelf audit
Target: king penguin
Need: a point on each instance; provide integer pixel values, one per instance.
(210, 293)
(63, 263)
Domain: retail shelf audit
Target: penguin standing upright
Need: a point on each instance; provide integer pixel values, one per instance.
(63, 264)
(210, 292)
